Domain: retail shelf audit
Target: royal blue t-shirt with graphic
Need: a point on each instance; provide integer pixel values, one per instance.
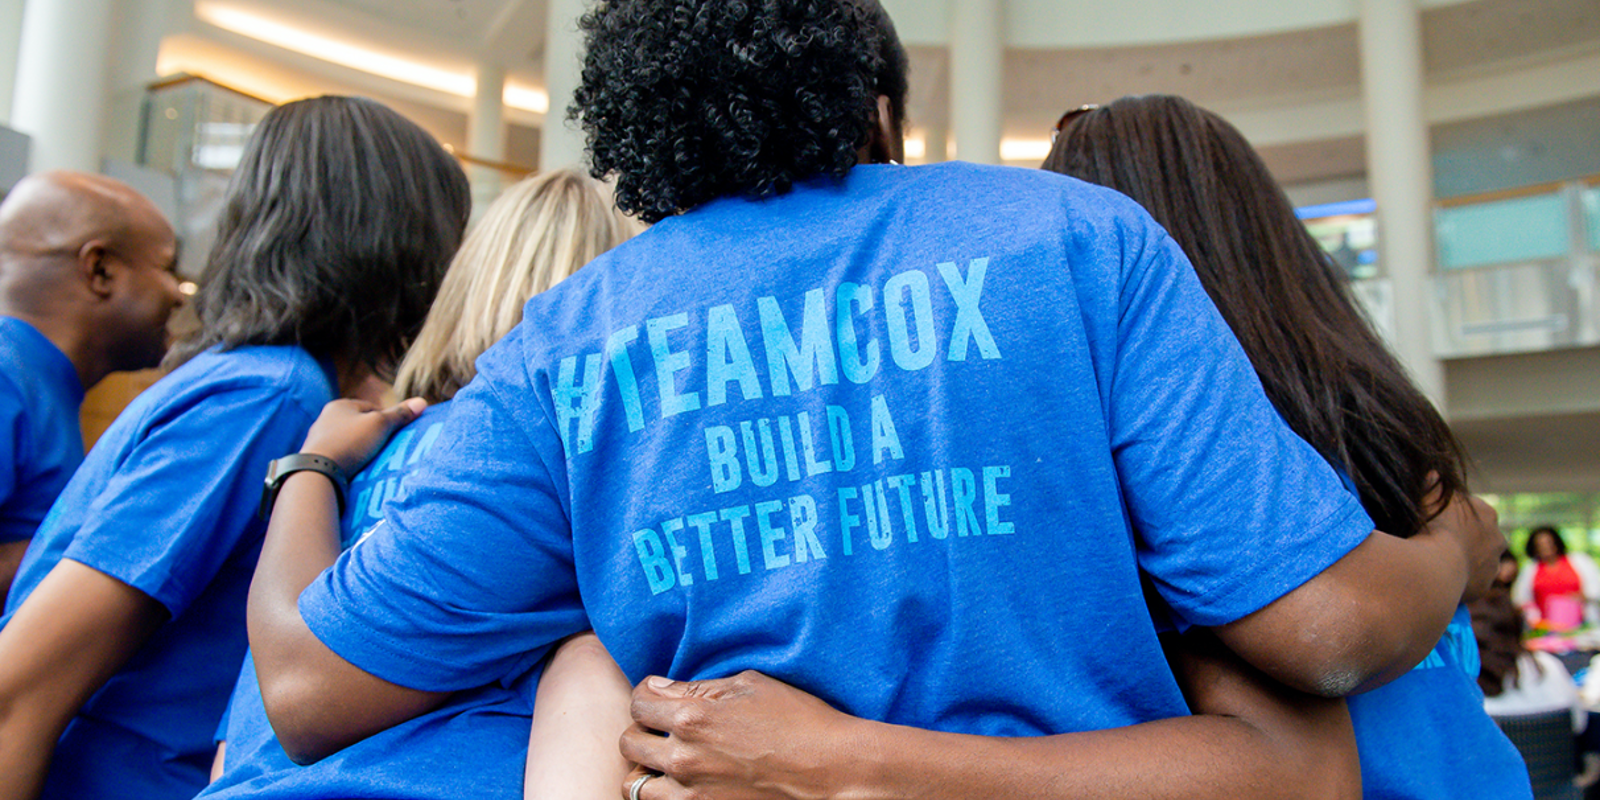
(1425, 735)
(474, 746)
(887, 438)
(41, 443)
(166, 502)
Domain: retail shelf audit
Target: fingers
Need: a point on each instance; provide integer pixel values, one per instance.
(658, 787)
(645, 748)
(404, 412)
(656, 709)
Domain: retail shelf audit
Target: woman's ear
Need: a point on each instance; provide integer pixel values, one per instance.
(885, 141)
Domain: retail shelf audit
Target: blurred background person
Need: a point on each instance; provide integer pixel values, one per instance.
(1514, 679)
(86, 287)
(1559, 588)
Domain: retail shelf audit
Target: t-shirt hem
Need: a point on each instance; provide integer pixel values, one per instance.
(371, 652)
(1342, 531)
(158, 590)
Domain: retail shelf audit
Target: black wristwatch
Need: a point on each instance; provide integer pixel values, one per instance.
(302, 462)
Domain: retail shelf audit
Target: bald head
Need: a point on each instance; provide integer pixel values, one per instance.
(55, 214)
(88, 261)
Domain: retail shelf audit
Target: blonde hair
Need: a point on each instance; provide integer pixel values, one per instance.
(538, 232)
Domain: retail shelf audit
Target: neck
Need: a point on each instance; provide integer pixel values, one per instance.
(69, 336)
(357, 380)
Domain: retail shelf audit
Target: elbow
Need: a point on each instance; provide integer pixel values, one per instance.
(1340, 660)
(296, 716)
(1350, 665)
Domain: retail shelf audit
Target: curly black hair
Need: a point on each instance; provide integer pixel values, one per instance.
(685, 101)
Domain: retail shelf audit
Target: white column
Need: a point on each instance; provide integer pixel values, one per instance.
(486, 134)
(977, 59)
(131, 67)
(936, 142)
(561, 145)
(60, 96)
(10, 41)
(1400, 170)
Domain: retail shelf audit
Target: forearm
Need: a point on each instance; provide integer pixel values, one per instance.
(26, 744)
(1363, 622)
(1250, 738)
(1190, 758)
(76, 629)
(317, 702)
(580, 711)
(301, 542)
(750, 737)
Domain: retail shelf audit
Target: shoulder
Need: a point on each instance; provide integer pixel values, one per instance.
(285, 372)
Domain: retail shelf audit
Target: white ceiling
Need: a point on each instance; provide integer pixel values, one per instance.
(1308, 52)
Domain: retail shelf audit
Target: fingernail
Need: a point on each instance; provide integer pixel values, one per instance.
(658, 682)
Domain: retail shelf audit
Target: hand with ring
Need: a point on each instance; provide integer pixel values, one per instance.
(748, 737)
(637, 785)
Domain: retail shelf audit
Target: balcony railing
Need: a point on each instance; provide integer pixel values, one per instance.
(1518, 271)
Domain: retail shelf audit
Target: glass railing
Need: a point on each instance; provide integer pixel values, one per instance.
(1591, 213)
(1518, 271)
(1515, 229)
(195, 129)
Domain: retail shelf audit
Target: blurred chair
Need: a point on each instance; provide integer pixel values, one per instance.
(1550, 750)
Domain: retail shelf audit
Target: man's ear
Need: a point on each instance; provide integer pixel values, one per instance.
(94, 262)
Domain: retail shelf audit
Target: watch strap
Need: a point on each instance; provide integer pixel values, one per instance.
(282, 468)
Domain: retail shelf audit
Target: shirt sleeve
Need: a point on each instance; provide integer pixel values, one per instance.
(187, 494)
(469, 578)
(11, 422)
(1232, 509)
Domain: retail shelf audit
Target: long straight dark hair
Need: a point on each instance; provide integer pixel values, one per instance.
(1326, 371)
(338, 226)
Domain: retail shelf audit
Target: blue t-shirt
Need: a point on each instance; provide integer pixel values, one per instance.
(167, 503)
(1425, 735)
(886, 438)
(474, 746)
(40, 441)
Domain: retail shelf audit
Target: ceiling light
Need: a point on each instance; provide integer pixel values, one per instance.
(360, 58)
(1024, 149)
(526, 98)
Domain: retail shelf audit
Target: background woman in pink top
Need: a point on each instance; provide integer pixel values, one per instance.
(1562, 588)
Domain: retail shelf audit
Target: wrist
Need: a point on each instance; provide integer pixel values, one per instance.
(870, 766)
(282, 469)
(1448, 549)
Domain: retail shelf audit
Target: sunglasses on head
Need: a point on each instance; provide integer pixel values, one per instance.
(1067, 118)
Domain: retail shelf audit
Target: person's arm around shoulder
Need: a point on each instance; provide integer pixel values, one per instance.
(310, 691)
(1377, 612)
(1245, 527)
(76, 629)
(750, 737)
